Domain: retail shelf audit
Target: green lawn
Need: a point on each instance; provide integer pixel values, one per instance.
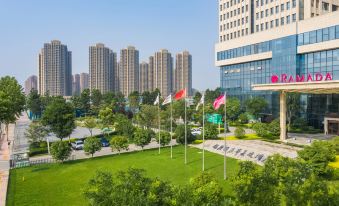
(61, 184)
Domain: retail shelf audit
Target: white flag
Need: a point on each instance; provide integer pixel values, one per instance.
(202, 101)
(167, 100)
(157, 100)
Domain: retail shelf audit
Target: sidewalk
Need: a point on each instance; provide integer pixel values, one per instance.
(4, 164)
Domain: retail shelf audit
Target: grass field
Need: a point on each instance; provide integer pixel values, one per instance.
(61, 184)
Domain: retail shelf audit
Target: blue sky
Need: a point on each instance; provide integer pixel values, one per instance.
(149, 25)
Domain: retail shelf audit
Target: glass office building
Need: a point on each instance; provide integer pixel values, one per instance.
(307, 47)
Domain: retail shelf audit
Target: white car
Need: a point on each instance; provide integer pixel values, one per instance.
(196, 131)
(78, 145)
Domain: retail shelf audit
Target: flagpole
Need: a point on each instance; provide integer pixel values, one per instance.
(203, 134)
(185, 129)
(159, 121)
(225, 139)
(171, 129)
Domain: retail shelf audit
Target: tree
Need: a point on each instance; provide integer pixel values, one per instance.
(60, 150)
(133, 100)
(147, 116)
(256, 106)
(119, 143)
(124, 126)
(293, 107)
(206, 190)
(90, 123)
(243, 119)
(180, 134)
(211, 95)
(318, 155)
(211, 131)
(36, 132)
(12, 101)
(143, 137)
(106, 116)
(85, 100)
(239, 133)
(92, 145)
(107, 98)
(59, 117)
(96, 98)
(165, 138)
(33, 103)
(274, 128)
(232, 108)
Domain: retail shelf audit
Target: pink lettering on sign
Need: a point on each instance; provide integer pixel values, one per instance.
(286, 78)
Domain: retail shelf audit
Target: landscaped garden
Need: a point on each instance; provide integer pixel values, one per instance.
(62, 184)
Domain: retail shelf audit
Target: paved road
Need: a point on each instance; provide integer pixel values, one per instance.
(20, 142)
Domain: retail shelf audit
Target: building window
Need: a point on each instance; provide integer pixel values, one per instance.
(294, 17)
(257, 3)
(294, 3)
(288, 19)
(266, 13)
(266, 25)
(272, 24)
(319, 35)
(301, 39)
(276, 22)
(257, 28)
(282, 7)
(332, 32)
(288, 5)
(325, 35)
(246, 7)
(272, 10)
(262, 14)
(257, 16)
(262, 26)
(277, 9)
(262, 3)
(246, 19)
(282, 21)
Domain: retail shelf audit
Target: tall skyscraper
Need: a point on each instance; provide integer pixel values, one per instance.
(143, 77)
(101, 68)
(163, 72)
(183, 72)
(129, 70)
(84, 81)
(31, 83)
(55, 69)
(151, 74)
(261, 42)
(76, 84)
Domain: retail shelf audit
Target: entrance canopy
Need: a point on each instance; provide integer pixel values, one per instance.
(314, 87)
(321, 87)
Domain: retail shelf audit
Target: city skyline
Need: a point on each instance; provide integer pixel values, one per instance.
(102, 26)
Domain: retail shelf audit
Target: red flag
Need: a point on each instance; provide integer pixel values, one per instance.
(180, 94)
(219, 101)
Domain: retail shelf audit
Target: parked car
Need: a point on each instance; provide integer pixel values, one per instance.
(104, 142)
(78, 145)
(196, 131)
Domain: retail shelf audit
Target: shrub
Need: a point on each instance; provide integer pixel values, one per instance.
(211, 131)
(179, 134)
(274, 128)
(61, 150)
(300, 123)
(92, 145)
(119, 143)
(239, 133)
(261, 129)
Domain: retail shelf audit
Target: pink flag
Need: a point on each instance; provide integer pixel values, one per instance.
(219, 101)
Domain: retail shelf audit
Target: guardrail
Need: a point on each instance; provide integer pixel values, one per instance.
(28, 163)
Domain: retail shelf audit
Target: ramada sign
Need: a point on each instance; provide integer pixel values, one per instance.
(286, 78)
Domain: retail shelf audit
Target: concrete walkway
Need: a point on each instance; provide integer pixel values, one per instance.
(4, 163)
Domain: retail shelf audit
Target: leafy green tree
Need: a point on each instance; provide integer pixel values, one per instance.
(239, 133)
(92, 145)
(274, 128)
(107, 98)
(232, 108)
(211, 131)
(256, 106)
(124, 126)
(36, 132)
(60, 150)
(85, 101)
(243, 119)
(90, 123)
(318, 155)
(206, 190)
(59, 117)
(119, 143)
(12, 101)
(261, 129)
(118, 103)
(180, 134)
(293, 107)
(165, 138)
(143, 137)
(197, 98)
(148, 116)
(96, 98)
(106, 116)
(133, 100)
(211, 95)
(33, 103)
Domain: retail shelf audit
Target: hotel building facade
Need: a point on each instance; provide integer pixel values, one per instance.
(269, 41)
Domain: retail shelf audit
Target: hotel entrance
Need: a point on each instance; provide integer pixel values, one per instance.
(333, 127)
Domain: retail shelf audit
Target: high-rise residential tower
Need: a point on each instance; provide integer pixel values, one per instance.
(55, 69)
(31, 83)
(101, 68)
(84, 81)
(129, 70)
(163, 72)
(183, 72)
(262, 41)
(76, 84)
(143, 77)
(151, 74)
